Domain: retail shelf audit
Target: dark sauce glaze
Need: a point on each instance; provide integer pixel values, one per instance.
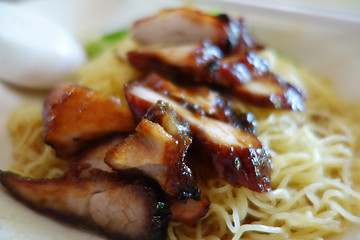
(159, 128)
(228, 152)
(202, 101)
(231, 64)
(80, 201)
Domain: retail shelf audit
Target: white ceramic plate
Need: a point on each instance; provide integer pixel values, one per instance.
(329, 47)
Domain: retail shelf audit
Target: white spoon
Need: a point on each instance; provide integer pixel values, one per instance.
(35, 52)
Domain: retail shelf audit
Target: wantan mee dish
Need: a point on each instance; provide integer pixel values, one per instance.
(187, 128)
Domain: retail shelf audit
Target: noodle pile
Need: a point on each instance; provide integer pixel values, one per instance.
(32, 157)
(315, 157)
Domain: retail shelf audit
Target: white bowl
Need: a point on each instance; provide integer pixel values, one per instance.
(327, 46)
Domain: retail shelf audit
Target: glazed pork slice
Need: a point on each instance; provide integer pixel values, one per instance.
(246, 76)
(158, 148)
(93, 158)
(74, 116)
(189, 212)
(245, 42)
(228, 152)
(201, 101)
(184, 61)
(249, 78)
(186, 26)
(120, 208)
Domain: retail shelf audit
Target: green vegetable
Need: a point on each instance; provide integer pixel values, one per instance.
(95, 48)
(215, 11)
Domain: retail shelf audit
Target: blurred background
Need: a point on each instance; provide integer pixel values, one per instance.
(321, 35)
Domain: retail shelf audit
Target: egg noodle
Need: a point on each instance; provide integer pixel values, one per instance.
(315, 155)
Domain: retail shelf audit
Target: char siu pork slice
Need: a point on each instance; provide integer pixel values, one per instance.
(189, 212)
(215, 50)
(186, 26)
(158, 148)
(74, 116)
(249, 79)
(121, 208)
(93, 158)
(201, 101)
(246, 76)
(229, 152)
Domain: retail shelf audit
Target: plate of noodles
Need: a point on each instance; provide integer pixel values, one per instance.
(315, 153)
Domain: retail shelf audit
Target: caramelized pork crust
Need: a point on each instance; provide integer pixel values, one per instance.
(120, 208)
(194, 54)
(245, 76)
(178, 62)
(201, 101)
(189, 212)
(158, 148)
(237, 156)
(245, 42)
(74, 116)
(93, 158)
(249, 78)
(184, 26)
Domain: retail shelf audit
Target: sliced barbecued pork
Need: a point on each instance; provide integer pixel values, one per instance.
(74, 116)
(195, 50)
(201, 101)
(245, 42)
(249, 78)
(186, 26)
(193, 61)
(228, 152)
(245, 76)
(158, 148)
(189, 212)
(121, 208)
(93, 158)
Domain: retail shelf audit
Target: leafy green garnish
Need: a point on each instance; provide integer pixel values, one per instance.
(95, 48)
(214, 11)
